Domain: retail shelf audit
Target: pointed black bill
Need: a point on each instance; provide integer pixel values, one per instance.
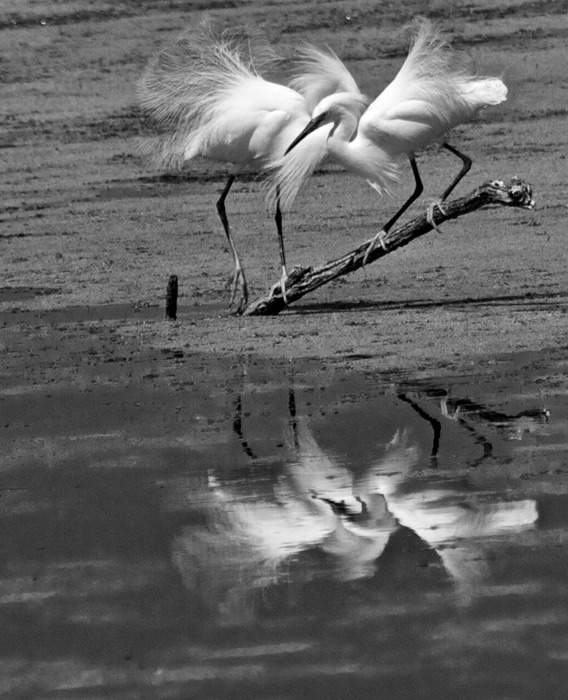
(315, 123)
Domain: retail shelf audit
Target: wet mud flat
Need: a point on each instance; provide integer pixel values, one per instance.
(363, 496)
(181, 524)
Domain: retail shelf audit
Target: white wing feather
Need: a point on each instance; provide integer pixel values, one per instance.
(435, 74)
(184, 85)
(318, 73)
(287, 174)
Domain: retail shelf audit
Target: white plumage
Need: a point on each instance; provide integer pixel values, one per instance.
(431, 94)
(207, 93)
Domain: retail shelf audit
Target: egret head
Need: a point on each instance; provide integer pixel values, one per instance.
(343, 108)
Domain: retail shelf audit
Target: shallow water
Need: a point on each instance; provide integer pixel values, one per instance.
(252, 530)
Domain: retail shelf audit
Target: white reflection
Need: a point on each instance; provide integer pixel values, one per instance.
(362, 526)
(251, 543)
(454, 523)
(275, 531)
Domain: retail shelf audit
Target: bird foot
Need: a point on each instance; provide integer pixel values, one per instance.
(430, 213)
(379, 238)
(280, 287)
(239, 282)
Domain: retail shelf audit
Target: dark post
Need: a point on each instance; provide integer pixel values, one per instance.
(172, 297)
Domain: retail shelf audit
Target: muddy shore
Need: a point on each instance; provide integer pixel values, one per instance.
(114, 418)
(86, 223)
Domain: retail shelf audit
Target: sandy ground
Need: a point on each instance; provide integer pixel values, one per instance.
(85, 222)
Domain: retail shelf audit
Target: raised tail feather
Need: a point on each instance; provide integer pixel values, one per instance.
(483, 92)
(441, 73)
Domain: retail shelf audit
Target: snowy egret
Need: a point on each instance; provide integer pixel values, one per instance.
(207, 91)
(430, 95)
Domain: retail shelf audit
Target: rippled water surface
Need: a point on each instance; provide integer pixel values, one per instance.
(277, 534)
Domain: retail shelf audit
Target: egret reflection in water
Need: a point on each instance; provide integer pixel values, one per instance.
(320, 519)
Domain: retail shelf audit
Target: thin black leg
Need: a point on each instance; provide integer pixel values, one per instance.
(278, 220)
(466, 160)
(239, 274)
(418, 189)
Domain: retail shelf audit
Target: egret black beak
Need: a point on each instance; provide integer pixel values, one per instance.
(315, 123)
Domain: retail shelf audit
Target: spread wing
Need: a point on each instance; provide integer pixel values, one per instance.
(318, 73)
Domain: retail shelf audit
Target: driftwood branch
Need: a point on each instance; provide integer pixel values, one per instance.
(301, 281)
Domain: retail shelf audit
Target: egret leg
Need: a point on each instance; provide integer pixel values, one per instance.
(380, 237)
(466, 165)
(282, 284)
(239, 274)
(466, 160)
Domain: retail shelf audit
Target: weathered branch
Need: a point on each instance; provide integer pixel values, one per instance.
(301, 281)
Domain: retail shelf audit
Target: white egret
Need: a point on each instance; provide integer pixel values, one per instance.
(430, 95)
(206, 90)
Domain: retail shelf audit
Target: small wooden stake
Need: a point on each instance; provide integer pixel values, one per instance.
(172, 297)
